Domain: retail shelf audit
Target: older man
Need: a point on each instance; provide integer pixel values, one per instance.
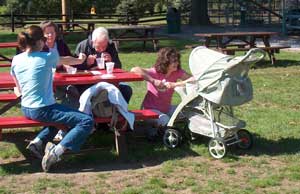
(96, 45)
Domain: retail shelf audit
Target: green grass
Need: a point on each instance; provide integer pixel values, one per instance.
(271, 166)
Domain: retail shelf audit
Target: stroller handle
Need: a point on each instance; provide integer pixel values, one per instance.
(253, 55)
(253, 52)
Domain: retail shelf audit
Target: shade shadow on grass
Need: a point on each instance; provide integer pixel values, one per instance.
(278, 63)
(263, 146)
(98, 154)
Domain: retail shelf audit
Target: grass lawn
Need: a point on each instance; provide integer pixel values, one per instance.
(271, 166)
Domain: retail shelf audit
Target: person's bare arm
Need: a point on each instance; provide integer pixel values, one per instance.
(186, 78)
(144, 73)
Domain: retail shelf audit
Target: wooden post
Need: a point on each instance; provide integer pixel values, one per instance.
(64, 11)
(12, 19)
(121, 144)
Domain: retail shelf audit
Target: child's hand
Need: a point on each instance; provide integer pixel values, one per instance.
(160, 85)
(170, 85)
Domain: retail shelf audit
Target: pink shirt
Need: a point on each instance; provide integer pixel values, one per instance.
(160, 100)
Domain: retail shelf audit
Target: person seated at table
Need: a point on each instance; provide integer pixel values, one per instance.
(98, 45)
(32, 73)
(161, 81)
(67, 94)
(53, 42)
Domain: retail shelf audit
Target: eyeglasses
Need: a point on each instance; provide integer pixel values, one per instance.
(49, 33)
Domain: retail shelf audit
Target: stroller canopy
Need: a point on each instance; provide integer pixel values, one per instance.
(223, 79)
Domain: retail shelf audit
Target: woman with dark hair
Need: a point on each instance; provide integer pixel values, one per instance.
(32, 73)
(161, 81)
(53, 42)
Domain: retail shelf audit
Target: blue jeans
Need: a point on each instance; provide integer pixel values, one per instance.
(80, 124)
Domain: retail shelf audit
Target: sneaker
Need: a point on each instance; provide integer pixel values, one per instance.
(50, 157)
(36, 150)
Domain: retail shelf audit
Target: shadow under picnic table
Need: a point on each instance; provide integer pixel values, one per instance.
(98, 154)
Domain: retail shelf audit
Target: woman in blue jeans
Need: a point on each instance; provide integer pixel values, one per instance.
(32, 72)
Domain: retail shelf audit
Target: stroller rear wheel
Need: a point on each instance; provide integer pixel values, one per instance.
(217, 148)
(245, 138)
(172, 138)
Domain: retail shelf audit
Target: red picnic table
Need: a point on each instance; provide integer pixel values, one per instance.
(81, 77)
(86, 77)
(62, 78)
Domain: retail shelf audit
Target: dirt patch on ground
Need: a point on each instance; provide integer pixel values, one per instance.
(119, 176)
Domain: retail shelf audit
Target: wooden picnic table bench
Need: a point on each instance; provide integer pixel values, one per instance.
(10, 122)
(70, 26)
(236, 44)
(144, 33)
(7, 97)
(154, 40)
(5, 64)
(271, 49)
(222, 39)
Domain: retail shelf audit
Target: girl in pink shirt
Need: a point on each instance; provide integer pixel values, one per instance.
(161, 79)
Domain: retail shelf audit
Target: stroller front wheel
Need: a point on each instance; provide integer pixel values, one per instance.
(172, 138)
(217, 148)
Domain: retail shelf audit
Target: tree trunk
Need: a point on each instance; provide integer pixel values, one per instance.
(65, 12)
(199, 15)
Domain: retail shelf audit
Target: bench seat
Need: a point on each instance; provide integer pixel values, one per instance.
(5, 65)
(154, 40)
(22, 122)
(239, 45)
(271, 50)
(7, 97)
(231, 51)
(121, 146)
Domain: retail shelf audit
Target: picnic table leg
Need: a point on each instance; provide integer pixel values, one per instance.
(121, 144)
(207, 42)
(117, 44)
(155, 44)
(220, 42)
(272, 57)
(270, 52)
(91, 27)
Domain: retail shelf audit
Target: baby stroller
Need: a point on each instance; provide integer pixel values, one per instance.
(206, 106)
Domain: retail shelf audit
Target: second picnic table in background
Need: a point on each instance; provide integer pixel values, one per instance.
(135, 33)
(246, 40)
